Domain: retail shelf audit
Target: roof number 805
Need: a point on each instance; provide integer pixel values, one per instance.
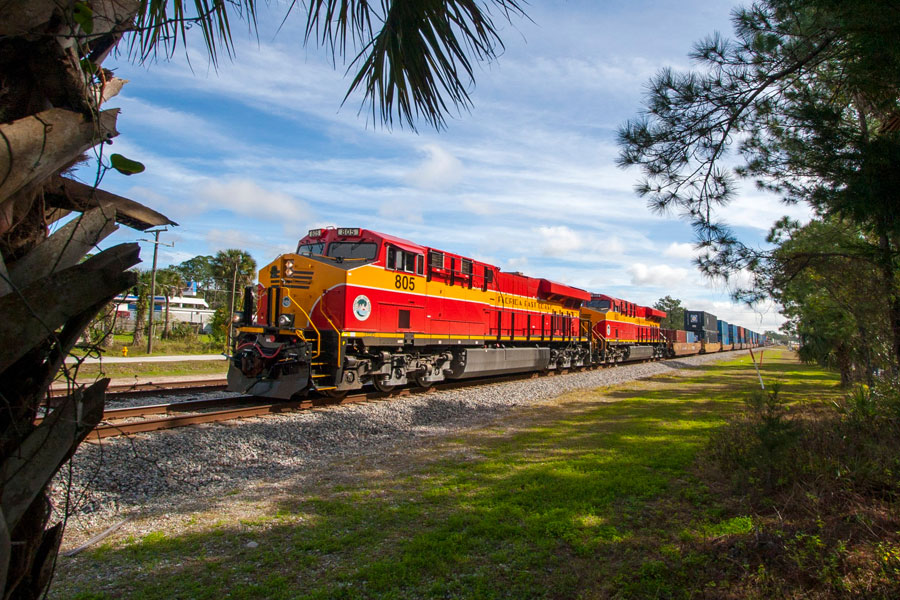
(402, 282)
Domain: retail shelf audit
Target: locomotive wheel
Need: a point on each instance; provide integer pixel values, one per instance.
(421, 383)
(379, 384)
(335, 394)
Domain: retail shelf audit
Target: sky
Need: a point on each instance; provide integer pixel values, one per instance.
(257, 151)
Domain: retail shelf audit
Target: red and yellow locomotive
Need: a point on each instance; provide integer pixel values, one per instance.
(354, 307)
(624, 330)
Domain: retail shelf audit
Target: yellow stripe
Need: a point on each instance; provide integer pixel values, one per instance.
(376, 277)
(427, 336)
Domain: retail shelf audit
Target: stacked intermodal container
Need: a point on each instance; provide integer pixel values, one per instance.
(724, 334)
(681, 342)
(704, 324)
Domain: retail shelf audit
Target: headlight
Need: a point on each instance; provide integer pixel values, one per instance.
(286, 321)
(288, 268)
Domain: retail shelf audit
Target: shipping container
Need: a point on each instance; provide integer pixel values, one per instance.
(724, 335)
(697, 320)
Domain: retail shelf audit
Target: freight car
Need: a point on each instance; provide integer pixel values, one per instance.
(354, 307)
(680, 342)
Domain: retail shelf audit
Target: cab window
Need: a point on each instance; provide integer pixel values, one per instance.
(409, 262)
(601, 305)
(401, 260)
(310, 249)
(353, 250)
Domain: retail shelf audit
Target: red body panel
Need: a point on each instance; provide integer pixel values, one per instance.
(400, 311)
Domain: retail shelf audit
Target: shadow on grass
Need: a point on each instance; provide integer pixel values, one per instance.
(587, 498)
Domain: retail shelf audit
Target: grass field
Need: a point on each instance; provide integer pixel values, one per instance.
(596, 494)
(152, 369)
(193, 344)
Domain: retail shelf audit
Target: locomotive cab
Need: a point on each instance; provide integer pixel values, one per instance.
(624, 330)
(301, 312)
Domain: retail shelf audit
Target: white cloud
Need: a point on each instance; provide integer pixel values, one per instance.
(219, 239)
(609, 246)
(245, 197)
(402, 210)
(184, 126)
(679, 250)
(759, 210)
(516, 264)
(656, 275)
(558, 240)
(439, 169)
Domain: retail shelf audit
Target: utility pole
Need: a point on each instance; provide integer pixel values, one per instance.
(155, 243)
(230, 323)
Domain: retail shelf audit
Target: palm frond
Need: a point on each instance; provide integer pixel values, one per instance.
(162, 24)
(418, 63)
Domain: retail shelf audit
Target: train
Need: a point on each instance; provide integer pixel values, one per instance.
(353, 307)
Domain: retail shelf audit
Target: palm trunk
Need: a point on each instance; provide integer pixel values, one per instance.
(140, 322)
(165, 333)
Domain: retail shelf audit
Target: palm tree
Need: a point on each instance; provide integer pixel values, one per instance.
(236, 266)
(415, 63)
(171, 282)
(142, 303)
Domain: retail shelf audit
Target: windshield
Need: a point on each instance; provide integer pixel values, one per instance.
(601, 305)
(310, 249)
(354, 250)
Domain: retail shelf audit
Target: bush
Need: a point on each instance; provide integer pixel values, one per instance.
(218, 324)
(179, 330)
(756, 448)
(850, 450)
(822, 483)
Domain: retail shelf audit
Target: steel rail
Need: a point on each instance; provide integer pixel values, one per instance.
(131, 390)
(106, 429)
(172, 407)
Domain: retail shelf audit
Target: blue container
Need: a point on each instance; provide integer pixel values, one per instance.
(724, 335)
(691, 337)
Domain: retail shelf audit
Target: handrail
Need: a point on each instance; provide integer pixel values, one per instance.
(313, 325)
(330, 322)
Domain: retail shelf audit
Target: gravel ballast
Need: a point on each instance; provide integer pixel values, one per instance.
(158, 471)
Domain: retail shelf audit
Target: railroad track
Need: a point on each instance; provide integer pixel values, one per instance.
(150, 388)
(155, 417)
(194, 412)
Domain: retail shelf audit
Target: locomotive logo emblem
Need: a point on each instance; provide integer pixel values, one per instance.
(286, 301)
(607, 330)
(362, 308)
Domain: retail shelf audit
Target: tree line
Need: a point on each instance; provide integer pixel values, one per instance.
(219, 279)
(804, 100)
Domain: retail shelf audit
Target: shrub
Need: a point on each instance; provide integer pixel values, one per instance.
(757, 447)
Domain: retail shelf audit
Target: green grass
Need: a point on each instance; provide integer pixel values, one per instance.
(194, 344)
(152, 369)
(591, 496)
